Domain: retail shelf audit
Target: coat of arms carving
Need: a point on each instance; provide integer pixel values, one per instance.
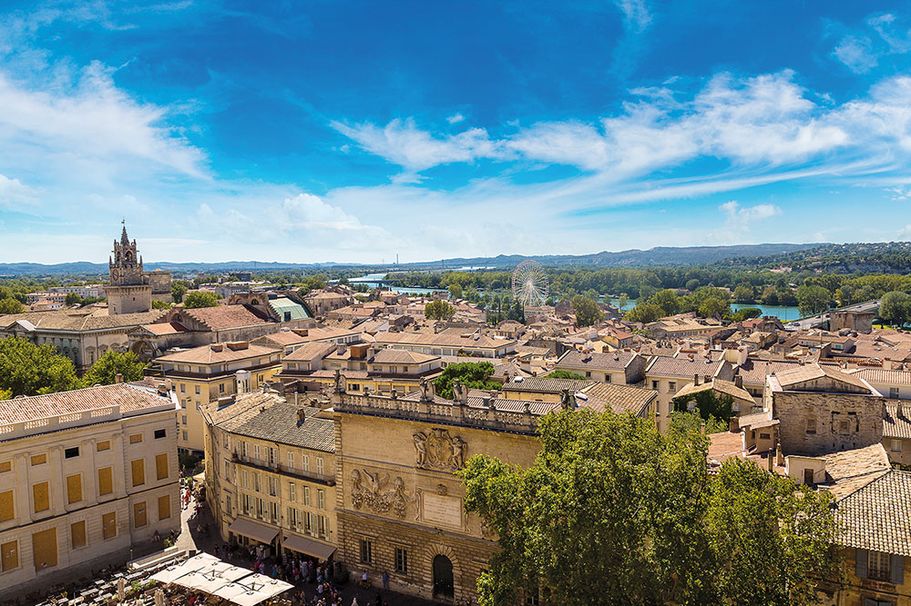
(438, 449)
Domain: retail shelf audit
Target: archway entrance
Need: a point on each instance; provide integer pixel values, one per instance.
(442, 577)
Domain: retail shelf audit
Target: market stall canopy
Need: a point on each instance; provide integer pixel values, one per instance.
(171, 573)
(252, 590)
(253, 530)
(309, 547)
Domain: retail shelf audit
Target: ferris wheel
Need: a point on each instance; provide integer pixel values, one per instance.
(529, 283)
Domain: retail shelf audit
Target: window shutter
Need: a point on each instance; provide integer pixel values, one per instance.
(898, 571)
(860, 563)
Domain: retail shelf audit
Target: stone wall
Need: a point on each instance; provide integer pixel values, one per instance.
(816, 423)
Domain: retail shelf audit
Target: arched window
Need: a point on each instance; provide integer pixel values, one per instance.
(442, 576)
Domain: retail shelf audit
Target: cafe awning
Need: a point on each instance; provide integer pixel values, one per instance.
(253, 530)
(309, 547)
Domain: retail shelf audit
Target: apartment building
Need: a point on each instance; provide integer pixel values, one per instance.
(85, 476)
(204, 374)
(271, 474)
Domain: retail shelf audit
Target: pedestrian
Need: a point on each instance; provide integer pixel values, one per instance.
(385, 580)
(354, 602)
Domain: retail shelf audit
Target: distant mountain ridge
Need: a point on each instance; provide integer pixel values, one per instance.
(659, 256)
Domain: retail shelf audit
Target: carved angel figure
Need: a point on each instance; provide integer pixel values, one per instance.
(420, 448)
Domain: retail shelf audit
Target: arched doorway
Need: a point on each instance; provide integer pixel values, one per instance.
(442, 577)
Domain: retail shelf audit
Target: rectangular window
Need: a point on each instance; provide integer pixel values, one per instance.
(183, 388)
(292, 492)
(260, 508)
(71, 453)
(893, 393)
(105, 481)
(73, 488)
(136, 438)
(39, 459)
(160, 433)
(185, 438)
(41, 497)
(271, 456)
(7, 506)
(321, 498)
(290, 460)
(319, 465)
(164, 507)
(6, 466)
(183, 420)
(879, 566)
(307, 496)
(811, 426)
(44, 549)
(672, 387)
(228, 504)
(308, 522)
(109, 525)
(256, 486)
(103, 445)
(197, 390)
(896, 445)
(321, 525)
(140, 518)
(138, 469)
(9, 556)
(273, 511)
(401, 560)
(161, 466)
(306, 462)
(77, 534)
(366, 551)
(292, 517)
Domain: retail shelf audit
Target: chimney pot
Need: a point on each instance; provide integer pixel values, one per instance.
(118, 378)
(301, 416)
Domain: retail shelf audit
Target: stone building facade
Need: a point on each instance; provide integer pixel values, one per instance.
(400, 506)
(85, 477)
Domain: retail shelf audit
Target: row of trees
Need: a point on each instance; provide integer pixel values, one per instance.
(28, 369)
(614, 512)
(706, 302)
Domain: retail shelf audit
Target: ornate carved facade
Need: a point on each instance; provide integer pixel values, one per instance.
(130, 290)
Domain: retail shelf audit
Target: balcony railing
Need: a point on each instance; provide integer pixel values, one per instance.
(293, 472)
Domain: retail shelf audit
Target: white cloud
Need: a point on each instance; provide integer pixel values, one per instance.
(14, 192)
(636, 14)
(856, 53)
(403, 143)
(905, 232)
(739, 221)
(455, 118)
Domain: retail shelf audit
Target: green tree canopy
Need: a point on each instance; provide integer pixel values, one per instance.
(104, 370)
(438, 309)
(894, 307)
(455, 291)
(614, 512)
(587, 311)
(813, 299)
(475, 375)
(564, 374)
(10, 306)
(200, 298)
(28, 369)
(645, 313)
(178, 290)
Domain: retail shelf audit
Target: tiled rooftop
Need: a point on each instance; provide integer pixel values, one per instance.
(878, 516)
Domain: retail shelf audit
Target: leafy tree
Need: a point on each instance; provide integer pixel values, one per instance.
(455, 291)
(745, 313)
(622, 300)
(200, 298)
(692, 284)
(895, 307)
(104, 370)
(564, 374)
(614, 512)
(475, 375)
(586, 310)
(10, 306)
(156, 304)
(813, 299)
(516, 312)
(313, 282)
(708, 404)
(770, 295)
(29, 369)
(438, 309)
(5, 394)
(645, 313)
(178, 290)
(770, 538)
(713, 307)
(667, 300)
(743, 294)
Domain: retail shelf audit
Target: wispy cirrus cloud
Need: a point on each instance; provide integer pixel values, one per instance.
(880, 35)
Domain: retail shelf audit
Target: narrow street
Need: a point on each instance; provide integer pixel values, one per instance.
(191, 538)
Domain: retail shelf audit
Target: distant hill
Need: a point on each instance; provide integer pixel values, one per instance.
(858, 257)
(660, 256)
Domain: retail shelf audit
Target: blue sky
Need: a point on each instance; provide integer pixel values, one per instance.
(354, 131)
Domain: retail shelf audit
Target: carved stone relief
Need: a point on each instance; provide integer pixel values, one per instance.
(438, 449)
(371, 490)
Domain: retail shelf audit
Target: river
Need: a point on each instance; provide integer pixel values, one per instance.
(785, 313)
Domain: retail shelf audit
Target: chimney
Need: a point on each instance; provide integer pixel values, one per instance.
(118, 378)
(340, 348)
(696, 379)
(301, 416)
(738, 381)
(899, 411)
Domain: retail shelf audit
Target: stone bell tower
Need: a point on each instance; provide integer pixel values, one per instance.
(129, 290)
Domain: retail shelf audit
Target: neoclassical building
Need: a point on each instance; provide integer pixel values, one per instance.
(400, 507)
